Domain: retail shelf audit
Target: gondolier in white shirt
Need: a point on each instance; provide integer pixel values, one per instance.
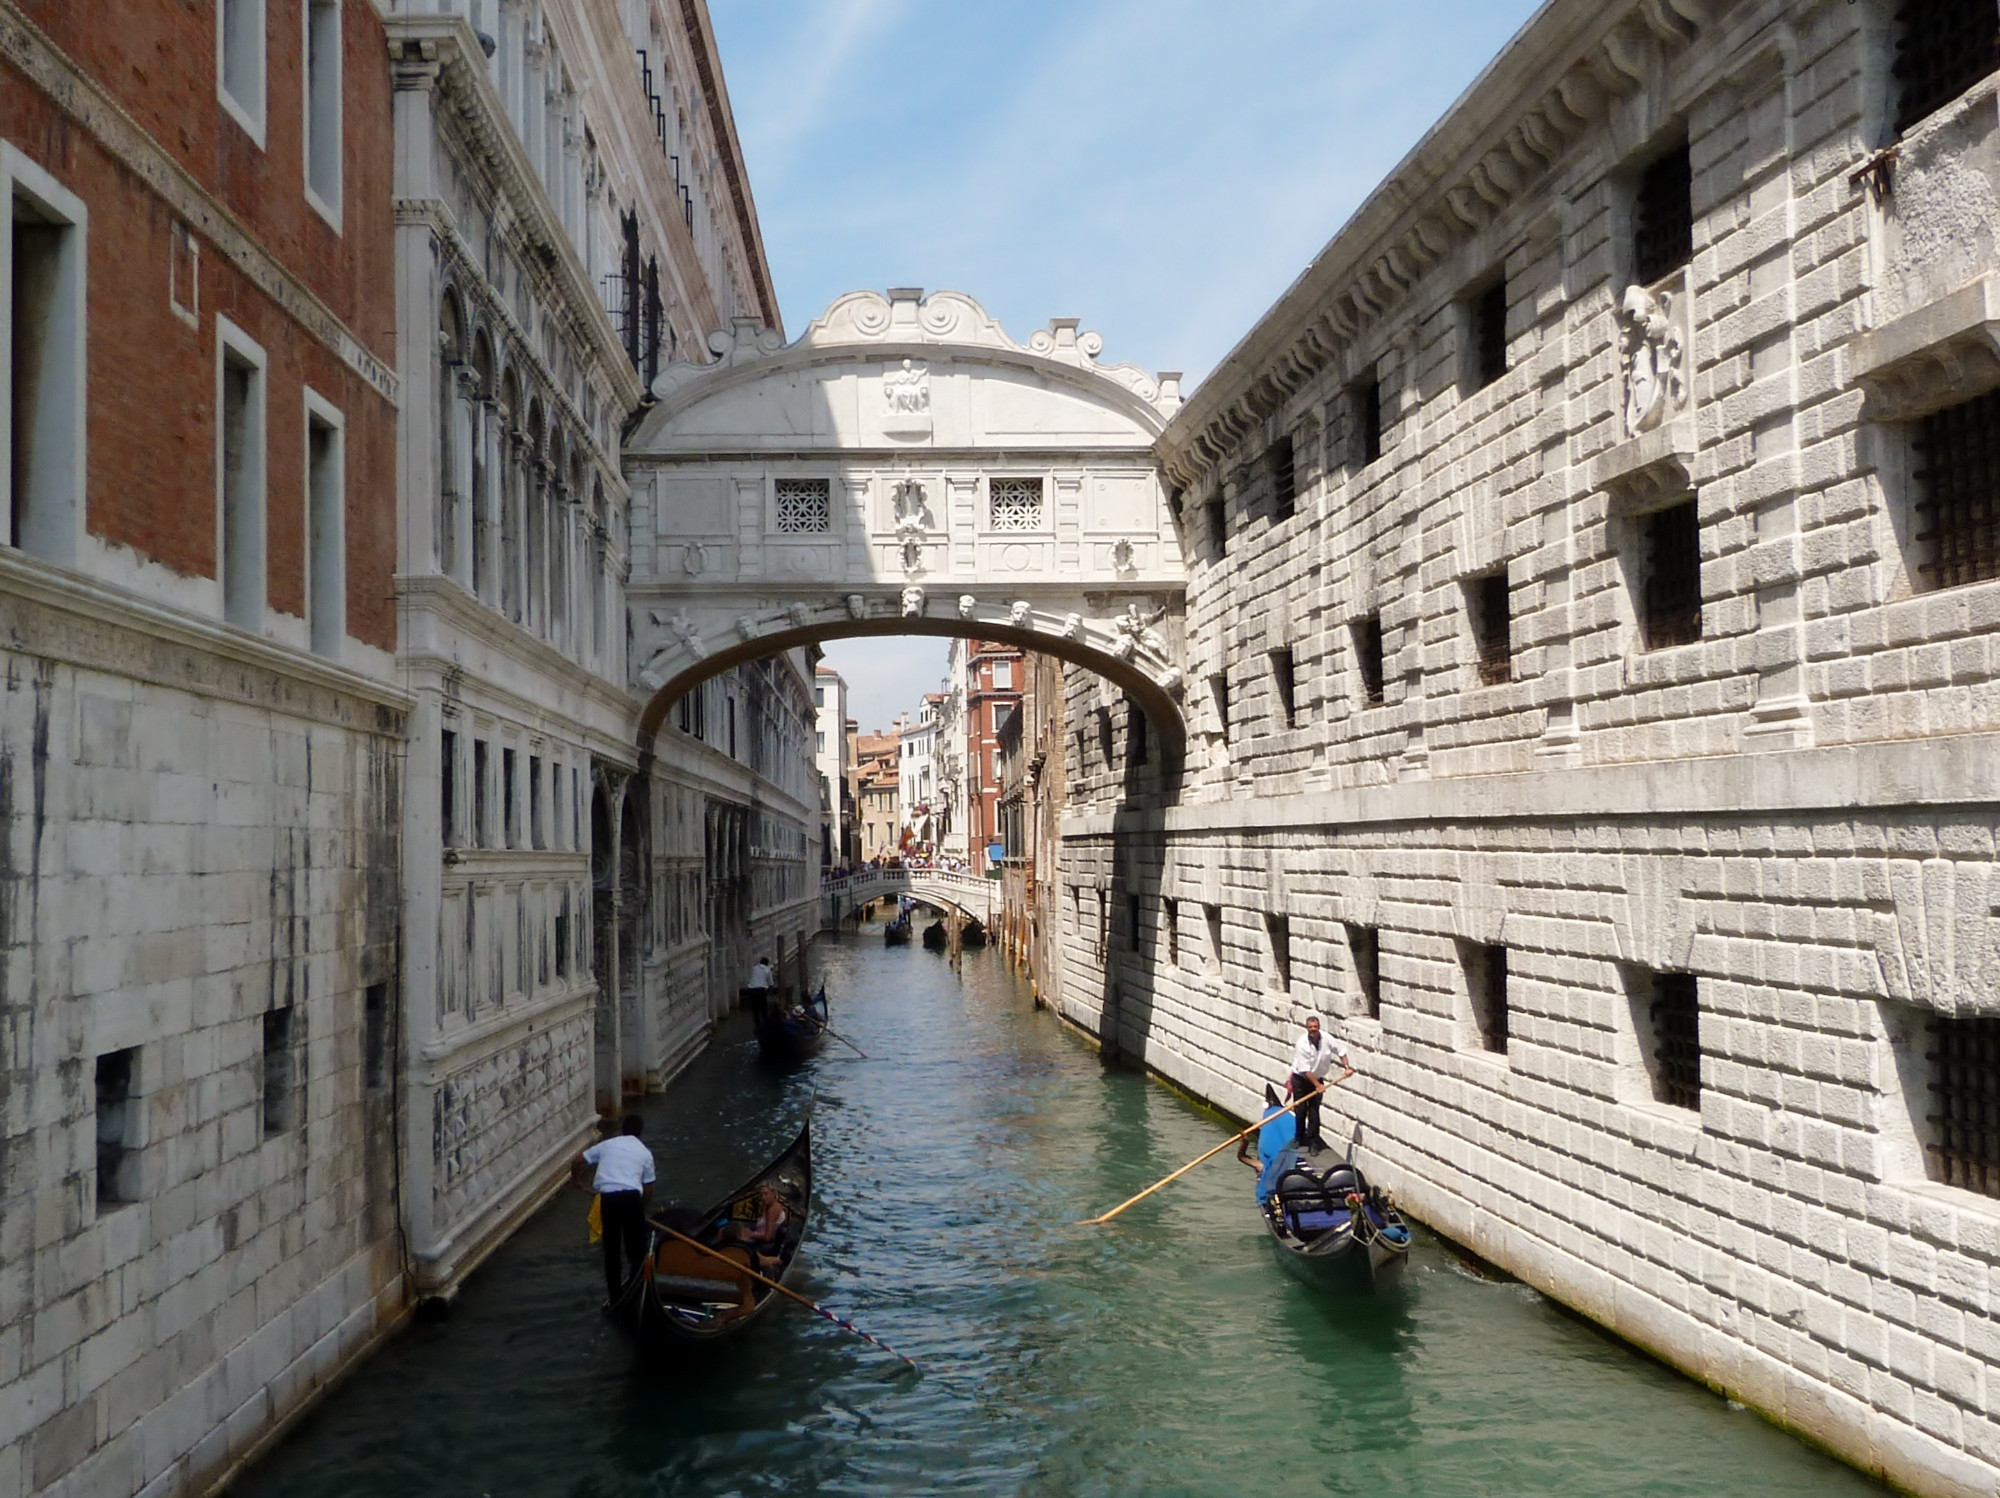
(1312, 1058)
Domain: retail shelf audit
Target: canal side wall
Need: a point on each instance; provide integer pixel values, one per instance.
(1460, 778)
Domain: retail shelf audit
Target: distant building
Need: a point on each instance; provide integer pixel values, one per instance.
(1031, 748)
(878, 781)
(830, 759)
(920, 809)
(986, 677)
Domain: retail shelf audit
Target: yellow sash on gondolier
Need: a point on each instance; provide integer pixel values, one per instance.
(596, 1219)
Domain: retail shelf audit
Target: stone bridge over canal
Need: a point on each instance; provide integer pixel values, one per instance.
(905, 467)
(970, 895)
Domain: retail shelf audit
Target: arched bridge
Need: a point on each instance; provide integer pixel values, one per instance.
(905, 467)
(969, 894)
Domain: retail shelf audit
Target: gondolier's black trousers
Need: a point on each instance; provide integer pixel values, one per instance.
(1307, 1113)
(623, 1214)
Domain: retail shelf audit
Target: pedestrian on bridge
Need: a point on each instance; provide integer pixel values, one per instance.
(1312, 1058)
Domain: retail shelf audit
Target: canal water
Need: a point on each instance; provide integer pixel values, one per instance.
(1165, 1354)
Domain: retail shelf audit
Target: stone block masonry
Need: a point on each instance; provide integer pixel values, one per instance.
(1592, 709)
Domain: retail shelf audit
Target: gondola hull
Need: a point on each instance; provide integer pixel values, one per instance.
(1346, 1267)
(788, 1037)
(1353, 1241)
(897, 933)
(935, 937)
(682, 1294)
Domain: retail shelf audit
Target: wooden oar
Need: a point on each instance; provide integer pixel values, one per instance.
(846, 1042)
(1090, 1222)
(813, 1306)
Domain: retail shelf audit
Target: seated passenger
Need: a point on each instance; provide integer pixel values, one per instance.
(765, 1234)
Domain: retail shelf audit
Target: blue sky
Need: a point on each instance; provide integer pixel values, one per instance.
(1162, 169)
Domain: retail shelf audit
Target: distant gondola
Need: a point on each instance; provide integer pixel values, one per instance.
(1330, 1227)
(972, 935)
(897, 932)
(787, 1036)
(935, 937)
(683, 1294)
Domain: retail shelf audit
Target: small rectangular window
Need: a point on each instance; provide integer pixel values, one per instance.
(1284, 684)
(1487, 605)
(481, 832)
(1486, 985)
(535, 838)
(1666, 1018)
(1133, 927)
(1003, 676)
(1958, 484)
(1015, 504)
(1212, 918)
(805, 506)
(1960, 1125)
(241, 460)
(1170, 923)
(1943, 47)
(280, 1072)
(1282, 466)
(1663, 216)
(448, 788)
(1218, 691)
(42, 388)
(1364, 948)
(326, 520)
(562, 933)
(1138, 747)
(239, 59)
(375, 1037)
(510, 828)
(1364, 404)
(1368, 659)
(1218, 527)
(117, 1127)
(1278, 932)
(1489, 334)
(1670, 591)
(322, 107)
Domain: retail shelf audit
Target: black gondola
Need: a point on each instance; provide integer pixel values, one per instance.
(684, 1294)
(787, 1036)
(897, 932)
(1329, 1226)
(936, 939)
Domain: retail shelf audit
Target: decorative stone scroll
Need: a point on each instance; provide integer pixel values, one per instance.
(1653, 350)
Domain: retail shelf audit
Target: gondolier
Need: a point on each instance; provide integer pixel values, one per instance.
(1312, 1058)
(623, 1182)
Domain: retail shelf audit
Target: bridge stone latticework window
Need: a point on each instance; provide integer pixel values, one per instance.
(804, 506)
(1016, 504)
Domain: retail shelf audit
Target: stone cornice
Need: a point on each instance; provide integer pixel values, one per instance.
(701, 41)
(83, 99)
(1562, 73)
(438, 52)
(126, 635)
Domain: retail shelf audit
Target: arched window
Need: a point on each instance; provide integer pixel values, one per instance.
(485, 457)
(450, 498)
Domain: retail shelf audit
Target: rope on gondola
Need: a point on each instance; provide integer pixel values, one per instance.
(814, 1306)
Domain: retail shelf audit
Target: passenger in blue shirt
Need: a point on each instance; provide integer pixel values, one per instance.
(1280, 1131)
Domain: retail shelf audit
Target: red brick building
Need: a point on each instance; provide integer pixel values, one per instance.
(988, 674)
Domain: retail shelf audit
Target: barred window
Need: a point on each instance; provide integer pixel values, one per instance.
(1364, 946)
(1964, 1146)
(805, 506)
(1486, 985)
(1284, 682)
(1943, 47)
(1016, 504)
(1489, 335)
(1663, 217)
(1486, 600)
(1671, 592)
(1284, 479)
(1364, 401)
(1668, 1008)
(1958, 475)
(1368, 658)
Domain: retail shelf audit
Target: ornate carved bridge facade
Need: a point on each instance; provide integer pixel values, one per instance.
(904, 467)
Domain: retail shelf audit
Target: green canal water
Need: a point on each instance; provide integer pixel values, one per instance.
(1167, 1354)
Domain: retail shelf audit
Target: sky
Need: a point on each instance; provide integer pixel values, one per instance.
(1162, 169)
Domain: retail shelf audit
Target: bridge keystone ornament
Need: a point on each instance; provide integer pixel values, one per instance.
(1039, 455)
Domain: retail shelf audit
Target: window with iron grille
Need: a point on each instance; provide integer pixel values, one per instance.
(1964, 1133)
(1943, 47)
(1218, 689)
(1016, 504)
(1368, 658)
(1218, 527)
(1666, 1012)
(1364, 400)
(1487, 602)
(1170, 925)
(1138, 748)
(1283, 468)
(1284, 682)
(805, 506)
(1211, 916)
(1363, 946)
(117, 1131)
(1133, 926)
(1958, 482)
(1670, 592)
(629, 266)
(1663, 217)
(654, 315)
(1489, 335)
(1486, 985)
(1104, 737)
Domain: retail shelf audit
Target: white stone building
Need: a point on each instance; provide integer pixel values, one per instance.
(917, 791)
(830, 758)
(1591, 634)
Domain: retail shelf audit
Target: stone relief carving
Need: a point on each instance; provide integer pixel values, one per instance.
(966, 604)
(747, 627)
(1122, 557)
(857, 606)
(1135, 632)
(683, 630)
(913, 510)
(800, 614)
(1072, 626)
(906, 399)
(913, 556)
(694, 559)
(913, 601)
(1654, 354)
(1018, 614)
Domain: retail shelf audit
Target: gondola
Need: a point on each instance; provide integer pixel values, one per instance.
(936, 939)
(897, 932)
(684, 1295)
(972, 936)
(1329, 1226)
(787, 1036)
